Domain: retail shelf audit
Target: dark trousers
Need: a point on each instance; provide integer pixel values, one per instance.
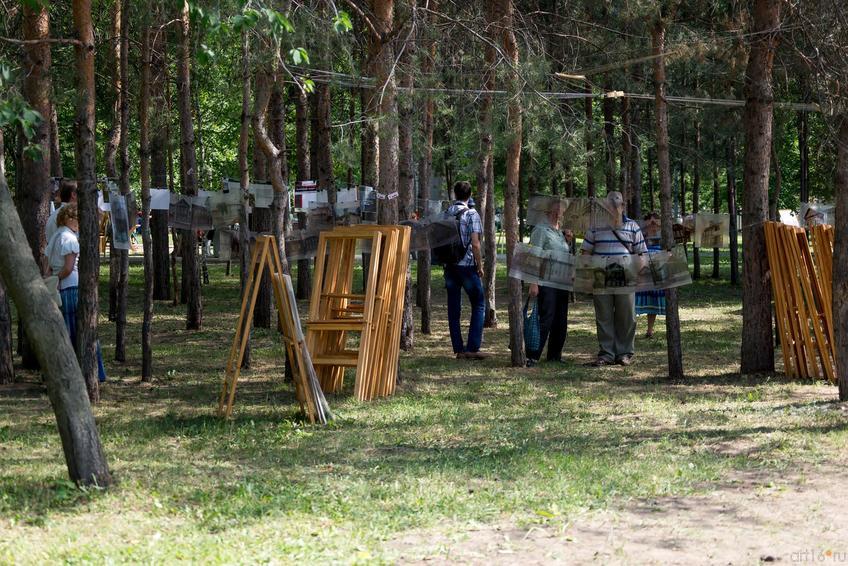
(553, 322)
(458, 278)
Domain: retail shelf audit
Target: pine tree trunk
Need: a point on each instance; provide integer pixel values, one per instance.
(803, 143)
(425, 174)
(716, 210)
(34, 173)
(608, 108)
(55, 151)
(774, 197)
(485, 187)
(44, 325)
(672, 318)
(304, 278)
(7, 369)
(381, 57)
(625, 184)
(123, 255)
(188, 173)
(113, 142)
(144, 174)
(651, 199)
(244, 177)
(733, 210)
(159, 170)
(261, 220)
(406, 188)
(85, 151)
(501, 16)
(636, 177)
(840, 259)
(682, 196)
(757, 341)
(588, 133)
(696, 197)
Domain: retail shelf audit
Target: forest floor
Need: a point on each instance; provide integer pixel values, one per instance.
(471, 462)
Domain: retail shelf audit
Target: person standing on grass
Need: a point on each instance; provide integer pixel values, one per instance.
(552, 303)
(615, 315)
(67, 195)
(63, 258)
(466, 274)
(651, 303)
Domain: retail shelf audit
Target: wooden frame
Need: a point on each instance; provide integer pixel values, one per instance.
(265, 254)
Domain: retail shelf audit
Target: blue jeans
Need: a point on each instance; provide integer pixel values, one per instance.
(457, 278)
(70, 300)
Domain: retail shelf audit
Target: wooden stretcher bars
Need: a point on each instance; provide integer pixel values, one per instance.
(801, 303)
(336, 312)
(265, 253)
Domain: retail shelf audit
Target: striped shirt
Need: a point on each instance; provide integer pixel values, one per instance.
(603, 241)
(469, 223)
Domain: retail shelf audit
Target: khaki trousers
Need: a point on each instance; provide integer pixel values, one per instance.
(615, 317)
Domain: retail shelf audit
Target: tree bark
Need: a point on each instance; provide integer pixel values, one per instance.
(696, 197)
(588, 133)
(34, 173)
(144, 174)
(159, 170)
(425, 174)
(7, 368)
(608, 108)
(381, 57)
(840, 259)
(501, 19)
(486, 186)
(716, 210)
(757, 341)
(261, 219)
(626, 151)
(651, 200)
(774, 197)
(85, 150)
(682, 195)
(55, 150)
(733, 210)
(113, 143)
(301, 106)
(406, 186)
(672, 318)
(803, 143)
(49, 338)
(123, 255)
(244, 177)
(188, 172)
(635, 175)
(264, 85)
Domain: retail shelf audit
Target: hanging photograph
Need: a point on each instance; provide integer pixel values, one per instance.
(120, 220)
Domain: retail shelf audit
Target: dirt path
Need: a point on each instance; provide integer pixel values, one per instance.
(747, 521)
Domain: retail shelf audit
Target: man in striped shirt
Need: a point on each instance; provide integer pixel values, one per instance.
(615, 315)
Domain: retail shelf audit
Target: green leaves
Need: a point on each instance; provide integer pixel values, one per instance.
(299, 55)
(308, 85)
(342, 22)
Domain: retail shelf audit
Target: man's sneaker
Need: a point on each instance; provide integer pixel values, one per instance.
(531, 363)
(461, 356)
(476, 355)
(625, 360)
(601, 362)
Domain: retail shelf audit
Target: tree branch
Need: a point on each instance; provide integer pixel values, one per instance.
(45, 40)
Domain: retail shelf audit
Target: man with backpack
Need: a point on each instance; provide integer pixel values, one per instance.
(463, 264)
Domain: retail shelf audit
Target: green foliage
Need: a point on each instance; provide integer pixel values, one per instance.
(16, 113)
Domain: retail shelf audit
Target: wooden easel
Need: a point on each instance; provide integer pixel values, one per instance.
(336, 311)
(265, 253)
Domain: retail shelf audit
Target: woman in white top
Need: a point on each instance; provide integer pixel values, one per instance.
(63, 258)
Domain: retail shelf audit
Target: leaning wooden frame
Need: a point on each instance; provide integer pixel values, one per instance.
(801, 291)
(375, 315)
(265, 254)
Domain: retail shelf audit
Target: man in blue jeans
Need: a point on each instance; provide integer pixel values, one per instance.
(466, 274)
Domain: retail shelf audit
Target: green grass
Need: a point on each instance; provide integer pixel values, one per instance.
(461, 442)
